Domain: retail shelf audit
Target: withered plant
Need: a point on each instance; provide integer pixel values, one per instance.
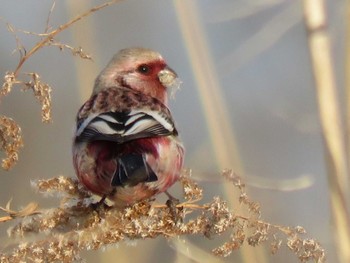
(61, 233)
(77, 224)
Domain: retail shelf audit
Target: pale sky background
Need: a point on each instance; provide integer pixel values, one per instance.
(260, 61)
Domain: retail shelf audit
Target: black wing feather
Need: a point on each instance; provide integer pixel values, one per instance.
(125, 126)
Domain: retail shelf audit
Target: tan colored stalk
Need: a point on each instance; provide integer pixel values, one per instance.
(83, 35)
(333, 131)
(213, 103)
(209, 89)
(347, 76)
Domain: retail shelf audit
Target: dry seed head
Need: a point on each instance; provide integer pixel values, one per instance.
(76, 227)
(9, 80)
(10, 141)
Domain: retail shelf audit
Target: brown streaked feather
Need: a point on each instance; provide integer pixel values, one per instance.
(120, 99)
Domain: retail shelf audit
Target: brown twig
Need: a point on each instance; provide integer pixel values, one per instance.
(58, 30)
(47, 28)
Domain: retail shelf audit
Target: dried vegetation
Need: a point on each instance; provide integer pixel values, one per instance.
(60, 234)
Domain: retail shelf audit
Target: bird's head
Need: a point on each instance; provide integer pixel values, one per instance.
(140, 69)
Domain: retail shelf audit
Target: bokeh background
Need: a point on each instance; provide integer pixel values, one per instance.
(247, 102)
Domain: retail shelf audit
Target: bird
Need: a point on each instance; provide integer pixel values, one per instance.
(126, 147)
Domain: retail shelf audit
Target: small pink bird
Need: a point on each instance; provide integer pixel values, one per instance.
(126, 146)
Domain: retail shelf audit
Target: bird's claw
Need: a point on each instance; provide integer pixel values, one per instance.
(96, 206)
(172, 203)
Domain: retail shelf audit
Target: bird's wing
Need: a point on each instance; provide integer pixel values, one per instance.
(123, 126)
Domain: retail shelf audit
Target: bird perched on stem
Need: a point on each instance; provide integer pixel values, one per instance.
(126, 146)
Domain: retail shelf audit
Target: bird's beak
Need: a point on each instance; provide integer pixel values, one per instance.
(167, 77)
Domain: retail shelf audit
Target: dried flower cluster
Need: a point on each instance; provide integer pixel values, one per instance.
(10, 141)
(60, 234)
(41, 90)
(260, 231)
(42, 93)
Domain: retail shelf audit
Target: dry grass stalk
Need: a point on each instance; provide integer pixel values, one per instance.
(347, 76)
(30, 209)
(333, 131)
(60, 234)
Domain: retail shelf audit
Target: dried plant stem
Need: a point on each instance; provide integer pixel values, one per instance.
(48, 38)
(213, 103)
(347, 76)
(222, 136)
(319, 44)
(47, 28)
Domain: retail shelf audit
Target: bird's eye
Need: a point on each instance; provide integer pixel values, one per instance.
(144, 69)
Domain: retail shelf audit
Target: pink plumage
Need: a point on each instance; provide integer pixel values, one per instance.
(126, 146)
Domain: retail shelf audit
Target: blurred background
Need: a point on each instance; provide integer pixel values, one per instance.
(247, 102)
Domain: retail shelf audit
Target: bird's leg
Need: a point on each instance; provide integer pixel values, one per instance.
(172, 199)
(98, 204)
(171, 203)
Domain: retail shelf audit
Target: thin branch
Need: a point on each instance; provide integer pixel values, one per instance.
(58, 30)
(19, 46)
(48, 27)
